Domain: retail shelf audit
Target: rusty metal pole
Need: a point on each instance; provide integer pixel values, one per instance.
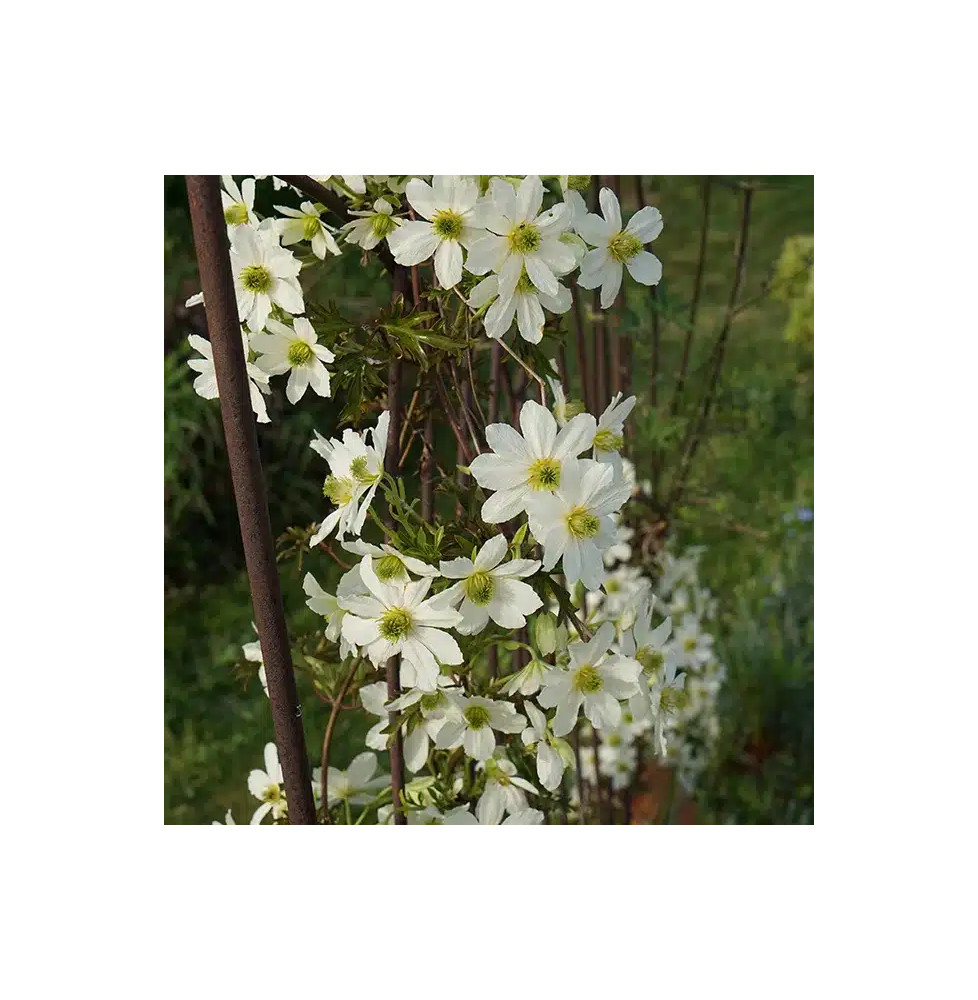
(217, 283)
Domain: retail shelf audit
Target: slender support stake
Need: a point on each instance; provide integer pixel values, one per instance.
(210, 241)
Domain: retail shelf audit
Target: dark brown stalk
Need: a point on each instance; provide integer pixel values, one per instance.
(578, 777)
(698, 426)
(328, 738)
(495, 359)
(427, 478)
(579, 337)
(402, 286)
(695, 301)
(248, 481)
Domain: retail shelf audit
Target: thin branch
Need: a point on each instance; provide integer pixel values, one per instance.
(528, 370)
(328, 738)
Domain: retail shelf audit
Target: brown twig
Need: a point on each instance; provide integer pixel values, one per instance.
(328, 738)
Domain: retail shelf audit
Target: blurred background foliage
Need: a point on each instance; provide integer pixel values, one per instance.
(750, 501)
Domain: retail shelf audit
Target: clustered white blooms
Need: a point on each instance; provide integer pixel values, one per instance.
(558, 482)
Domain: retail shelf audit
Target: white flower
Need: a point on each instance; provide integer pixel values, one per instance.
(357, 783)
(268, 787)
(664, 699)
(355, 470)
(397, 619)
(620, 551)
(461, 816)
(521, 239)
(550, 761)
(305, 224)
(373, 697)
(325, 604)
(477, 719)
(648, 646)
(594, 679)
(617, 760)
(264, 274)
(522, 466)
(297, 349)
(238, 203)
(526, 303)
(451, 221)
(372, 227)
(528, 680)
(615, 247)
(436, 708)
(206, 382)
(575, 523)
(389, 564)
(693, 645)
(609, 437)
(504, 792)
(487, 589)
(564, 409)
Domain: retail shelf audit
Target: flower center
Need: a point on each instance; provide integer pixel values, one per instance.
(525, 286)
(272, 794)
(395, 624)
(390, 568)
(689, 645)
(578, 182)
(236, 215)
(256, 278)
(581, 523)
(671, 698)
(606, 440)
(545, 474)
(479, 588)
(429, 702)
(339, 491)
(624, 246)
(587, 680)
(524, 238)
(361, 473)
(614, 740)
(381, 224)
(300, 353)
(476, 716)
(447, 224)
(571, 409)
(651, 659)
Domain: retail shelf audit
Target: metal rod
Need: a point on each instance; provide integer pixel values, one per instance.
(213, 261)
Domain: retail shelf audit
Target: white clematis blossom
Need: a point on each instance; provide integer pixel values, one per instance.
(609, 438)
(505, 792)
(616, 248)
(264, 274)
(532, 464)
(550, 761)
(357, 783)
(521, 239)
(268, 787)
(297, 350)
(489, 588)
(461, 816)
(355, 469)
(238, 203)
(372, 227)
(325, 604)
(205, 384)
(390, 565)
(575, 524)
(477, 719)
(436, 708)
(526, 303)
(396, 619)
(449, 221)
(594, 679)
(304, 223)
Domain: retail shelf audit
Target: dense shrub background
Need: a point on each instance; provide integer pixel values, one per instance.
(751, 503)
